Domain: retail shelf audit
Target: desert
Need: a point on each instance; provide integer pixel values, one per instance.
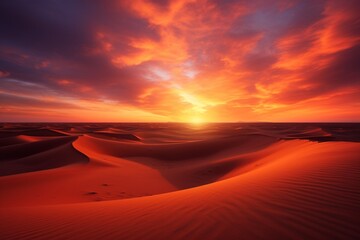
(180, 120)
(180, 181)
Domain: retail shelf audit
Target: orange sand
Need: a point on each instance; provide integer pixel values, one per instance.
(176, 182)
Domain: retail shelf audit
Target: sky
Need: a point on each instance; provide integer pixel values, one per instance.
(180, 60)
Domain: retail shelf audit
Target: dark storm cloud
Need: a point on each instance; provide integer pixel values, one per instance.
(45, 41)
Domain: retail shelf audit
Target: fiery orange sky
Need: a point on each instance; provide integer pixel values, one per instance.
(206, 60)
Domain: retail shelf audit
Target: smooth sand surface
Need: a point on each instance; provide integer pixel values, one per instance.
(176, 181)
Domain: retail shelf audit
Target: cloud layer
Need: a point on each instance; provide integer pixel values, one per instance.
(142, 60)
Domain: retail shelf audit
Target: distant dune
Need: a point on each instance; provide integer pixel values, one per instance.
(178, 181)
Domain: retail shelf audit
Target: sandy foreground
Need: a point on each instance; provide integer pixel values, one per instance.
(177, 181)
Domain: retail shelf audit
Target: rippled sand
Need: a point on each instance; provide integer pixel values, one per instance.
(179, 181)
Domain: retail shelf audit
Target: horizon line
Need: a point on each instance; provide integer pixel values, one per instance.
(183, 122)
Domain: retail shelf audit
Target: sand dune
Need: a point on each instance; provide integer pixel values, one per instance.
(39, 155)
(230, 181)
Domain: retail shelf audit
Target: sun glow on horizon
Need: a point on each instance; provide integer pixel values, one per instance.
(197, 121)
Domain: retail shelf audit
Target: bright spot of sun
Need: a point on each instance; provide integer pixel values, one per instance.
(197, 121)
